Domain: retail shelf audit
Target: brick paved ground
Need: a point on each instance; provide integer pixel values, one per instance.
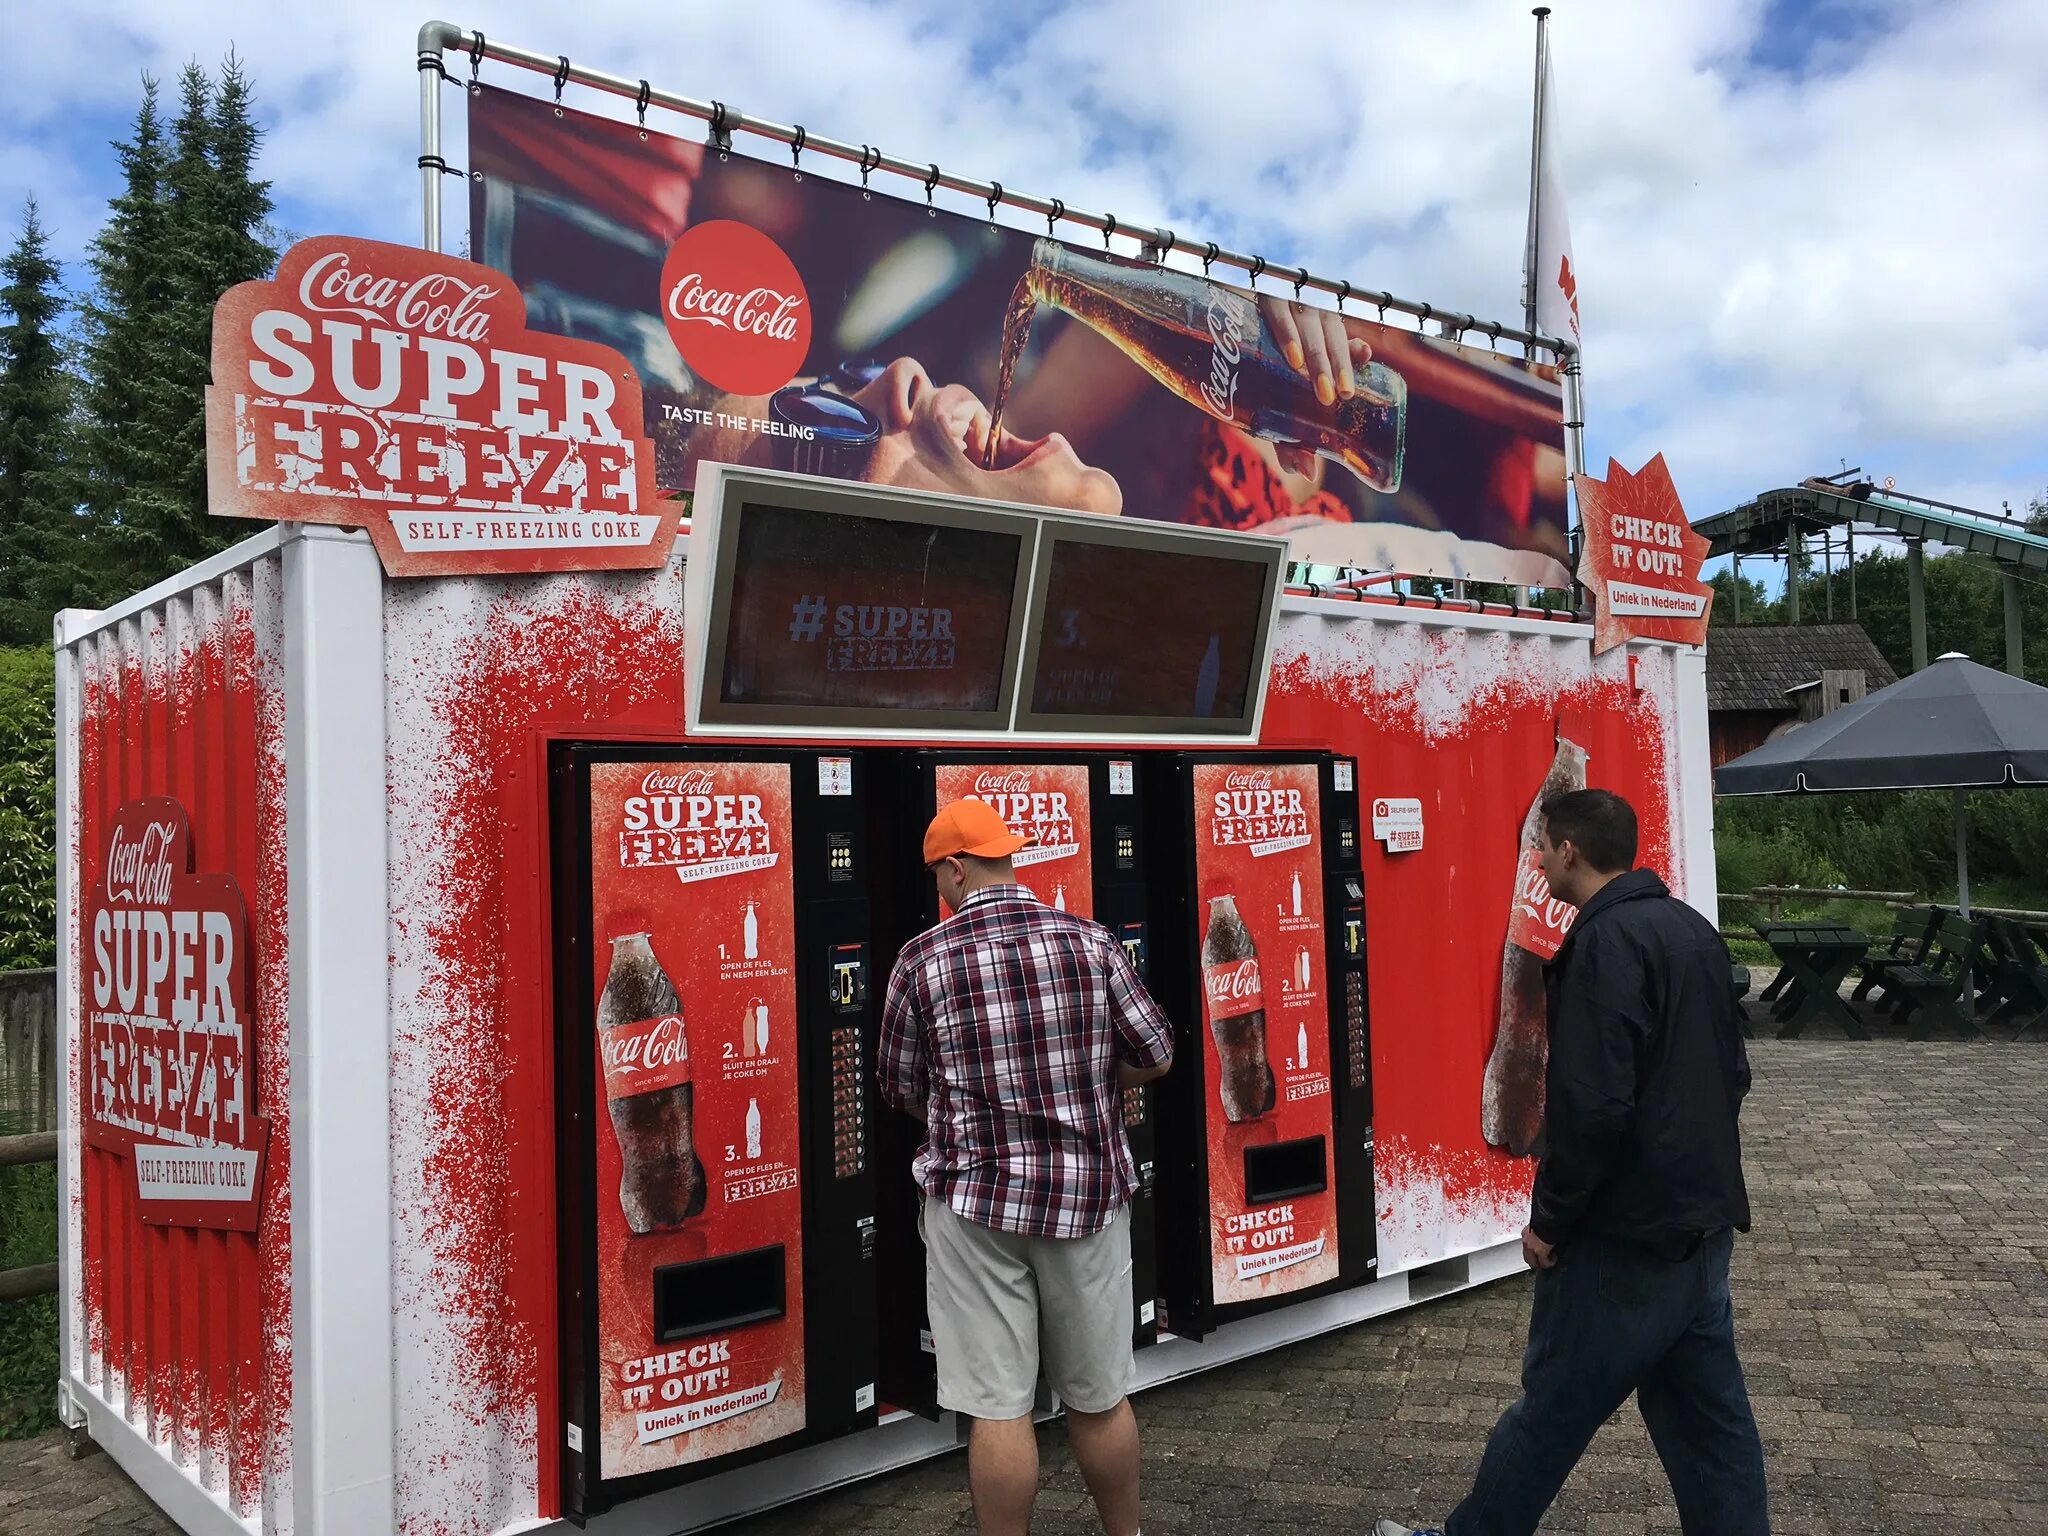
(1893, 1306)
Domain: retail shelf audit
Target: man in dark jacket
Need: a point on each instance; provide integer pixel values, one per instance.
(1638, 1196)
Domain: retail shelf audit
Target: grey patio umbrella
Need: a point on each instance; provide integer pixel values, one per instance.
(1955, 725)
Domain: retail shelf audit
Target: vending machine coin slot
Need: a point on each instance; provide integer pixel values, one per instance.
(1286, 1170)
(718, 1294)
(849, 973)
(1132, 937)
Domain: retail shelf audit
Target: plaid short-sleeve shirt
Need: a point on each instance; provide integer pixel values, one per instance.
(1005, 1024)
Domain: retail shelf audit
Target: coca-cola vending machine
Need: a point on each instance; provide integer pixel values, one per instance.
(1265, 1122)
(1085, 812)
(715, 1192)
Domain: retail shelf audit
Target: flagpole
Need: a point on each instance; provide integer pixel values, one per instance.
(1542, 15)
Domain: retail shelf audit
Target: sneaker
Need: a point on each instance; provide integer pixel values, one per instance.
(1395, 1528)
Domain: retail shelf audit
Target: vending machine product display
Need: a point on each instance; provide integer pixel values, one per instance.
(1084, 814)
(715, 1196)
(1266, 1139)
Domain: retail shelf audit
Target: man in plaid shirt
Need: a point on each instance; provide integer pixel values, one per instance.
(1012, 1030)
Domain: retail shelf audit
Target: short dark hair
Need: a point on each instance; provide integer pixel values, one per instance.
(1597, 822)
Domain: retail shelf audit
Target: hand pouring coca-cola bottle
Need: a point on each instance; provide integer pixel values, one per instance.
(1236, 1002)
(1511, 1096)
(1213, 347)
(646, 1051)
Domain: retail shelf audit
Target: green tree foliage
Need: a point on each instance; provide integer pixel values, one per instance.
(39, 547)
(189, 223)
(28, 840)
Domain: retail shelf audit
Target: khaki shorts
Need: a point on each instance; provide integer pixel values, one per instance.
(999, 1301)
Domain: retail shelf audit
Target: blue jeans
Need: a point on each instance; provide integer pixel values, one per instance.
(1610, 1319)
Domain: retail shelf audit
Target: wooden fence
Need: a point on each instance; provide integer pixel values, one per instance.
(28, 1097)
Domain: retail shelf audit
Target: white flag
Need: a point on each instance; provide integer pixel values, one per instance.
(1555, 279)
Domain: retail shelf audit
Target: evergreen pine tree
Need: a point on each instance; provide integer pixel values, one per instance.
(131, 291)
(38, 551)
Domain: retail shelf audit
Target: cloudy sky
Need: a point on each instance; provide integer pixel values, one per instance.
(1807, 230)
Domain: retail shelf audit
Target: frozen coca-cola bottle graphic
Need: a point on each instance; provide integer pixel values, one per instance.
(1236, 1003)
(1511, 1096)
(1215, 349)
(645, 1046)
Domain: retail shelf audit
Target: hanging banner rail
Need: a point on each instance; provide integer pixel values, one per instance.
(438, 39)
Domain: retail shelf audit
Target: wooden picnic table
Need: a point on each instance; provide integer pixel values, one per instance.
(1815, 958)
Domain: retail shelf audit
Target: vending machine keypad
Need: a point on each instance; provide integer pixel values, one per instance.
(849, 1102)
(1354, 1027)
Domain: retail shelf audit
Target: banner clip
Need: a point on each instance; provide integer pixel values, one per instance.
(1160, 246)
(721, 128)
(476, 58)
(1059, 211)
(1300, 280)
(1343, 293)
(561, 79)
(796, 151)
(870, 157)
(995, 196)
(1258, 266)
(1108, 228)
(930, 182)
(640, 105)
(1209, 256)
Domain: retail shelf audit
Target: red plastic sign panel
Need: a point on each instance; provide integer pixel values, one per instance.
(381, 387)
(1641, 559)
(1258, 869)
(170, 1057)
(1048, 801)
(699, 1196)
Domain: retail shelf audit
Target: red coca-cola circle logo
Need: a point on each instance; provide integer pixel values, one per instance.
(735, 308)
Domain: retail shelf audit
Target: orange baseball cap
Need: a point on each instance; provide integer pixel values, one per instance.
(971, 826)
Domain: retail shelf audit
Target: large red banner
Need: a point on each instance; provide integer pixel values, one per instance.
(381, 387)
(1258, 860)
(793, 320)
(698, 1142)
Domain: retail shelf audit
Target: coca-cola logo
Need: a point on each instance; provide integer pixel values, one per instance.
(1228, 319)
(1242, 778)
(664, 781)
(736, 308)
(1237, 983)
(436, 304)
(996, 781)
(1533, 899)
(139, 868)
(654, 1045)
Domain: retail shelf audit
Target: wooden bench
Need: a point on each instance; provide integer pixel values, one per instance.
(1938, 992)
(2019, 974)
(1913, 932)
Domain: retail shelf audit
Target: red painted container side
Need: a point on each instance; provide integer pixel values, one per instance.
(187, 1334)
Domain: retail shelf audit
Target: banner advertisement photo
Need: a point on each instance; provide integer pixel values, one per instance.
(1266, 1040)
(381, 387)
(783, 320)
(698, 1146)
(168, 1054)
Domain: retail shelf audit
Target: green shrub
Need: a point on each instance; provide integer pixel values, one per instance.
(28, 777)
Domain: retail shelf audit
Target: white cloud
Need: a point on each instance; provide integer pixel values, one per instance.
(1780, 267)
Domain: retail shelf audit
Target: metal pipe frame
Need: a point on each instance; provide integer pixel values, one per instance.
(437, 37)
